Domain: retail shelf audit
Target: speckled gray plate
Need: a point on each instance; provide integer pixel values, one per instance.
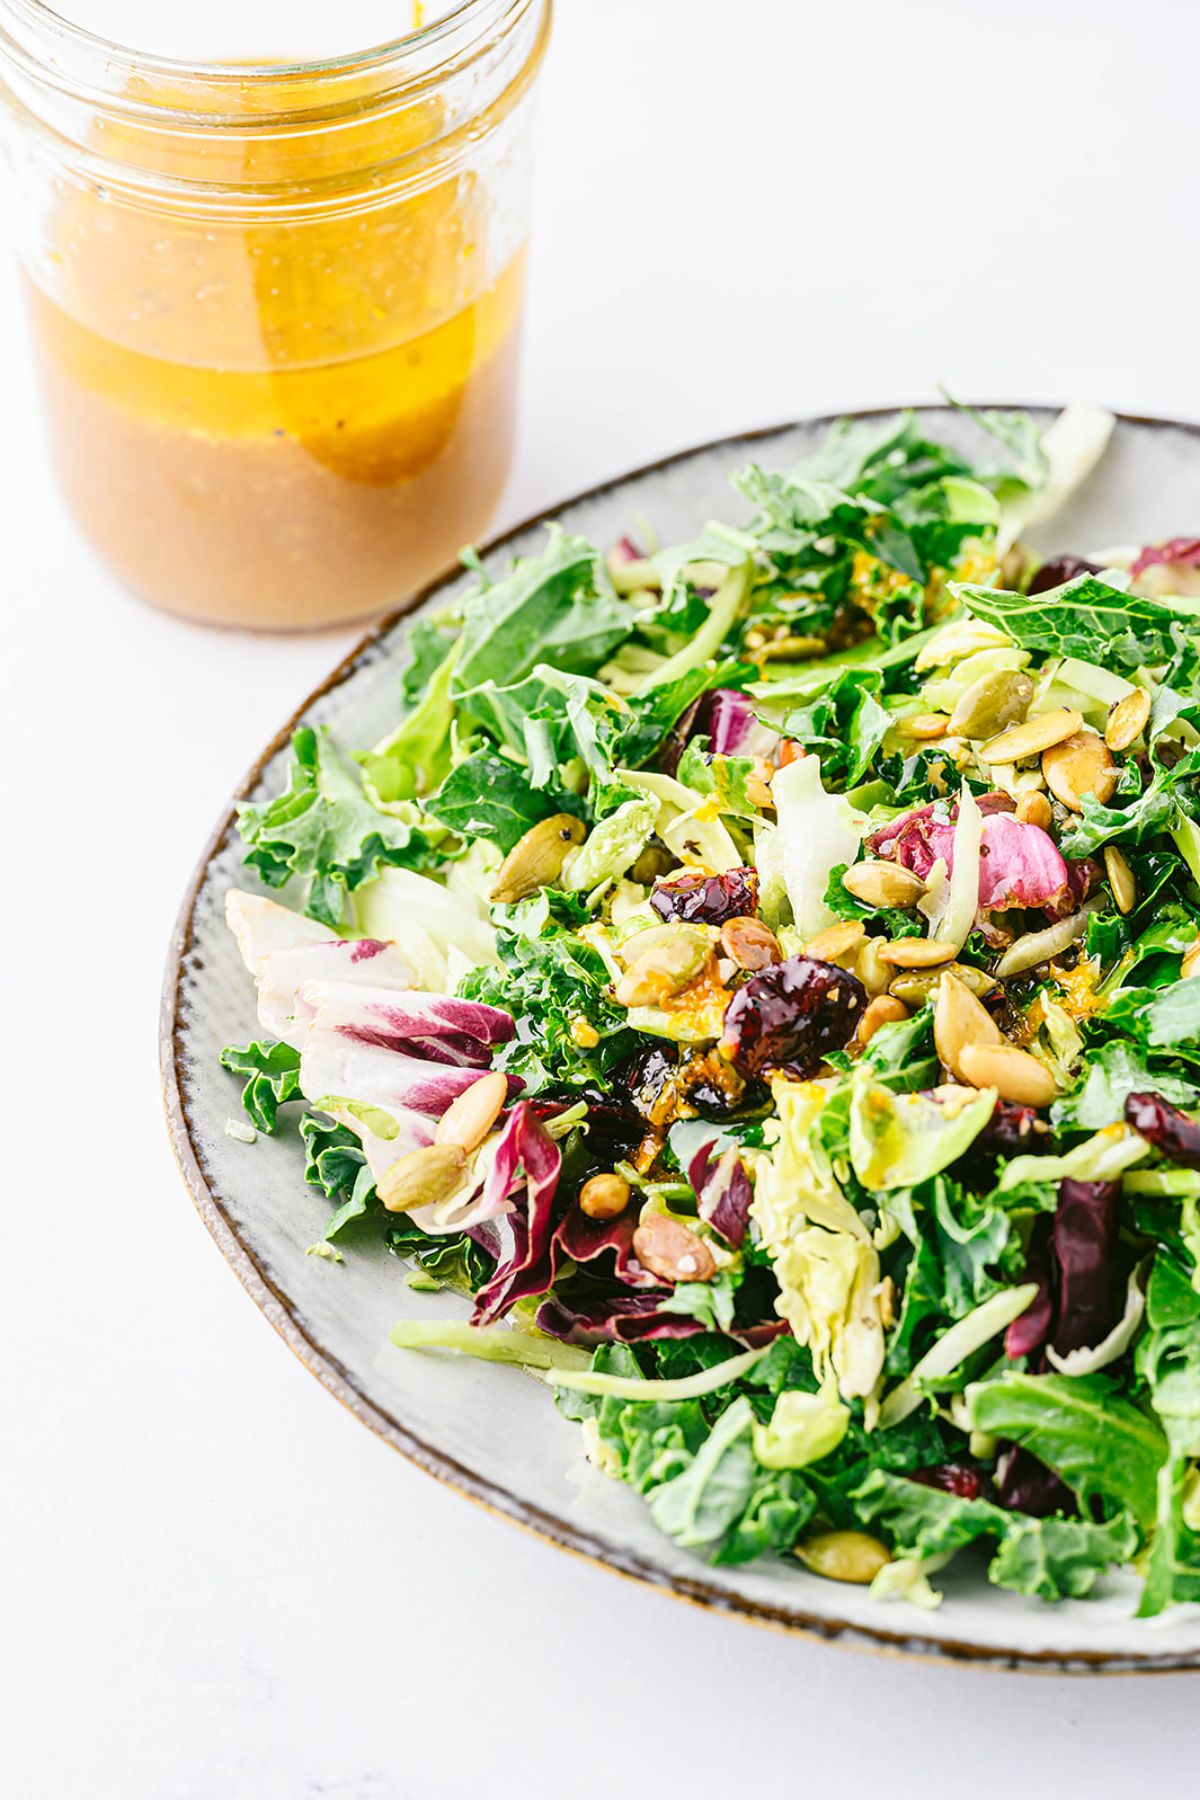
(491, 1432)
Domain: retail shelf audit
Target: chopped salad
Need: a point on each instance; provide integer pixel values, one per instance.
(763, 975)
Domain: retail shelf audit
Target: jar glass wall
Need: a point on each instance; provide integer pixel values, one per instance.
(275, 306)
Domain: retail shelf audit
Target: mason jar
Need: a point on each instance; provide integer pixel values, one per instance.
(275, 305)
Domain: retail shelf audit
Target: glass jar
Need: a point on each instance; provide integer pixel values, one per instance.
(276, 306)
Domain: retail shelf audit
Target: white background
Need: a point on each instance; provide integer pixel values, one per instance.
(213, 1582)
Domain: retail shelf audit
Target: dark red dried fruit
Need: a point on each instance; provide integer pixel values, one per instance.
(1164, 1126)
(1013, 1130)
(1052, 574)
(952, 1478)
(707, 899)
(791, 1017)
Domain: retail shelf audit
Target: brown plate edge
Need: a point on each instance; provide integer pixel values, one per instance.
(338, 1380)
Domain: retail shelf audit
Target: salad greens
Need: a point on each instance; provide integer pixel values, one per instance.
(763, 973)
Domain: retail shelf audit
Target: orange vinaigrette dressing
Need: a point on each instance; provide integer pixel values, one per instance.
(281, 422)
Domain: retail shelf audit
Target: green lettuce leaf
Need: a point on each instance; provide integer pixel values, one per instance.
(558, 607)
(1102, 1445)
(1168, 1360)
(1072, 619)
(1055, 1558)
(487, 796)
(324, 828)
(273, 1078)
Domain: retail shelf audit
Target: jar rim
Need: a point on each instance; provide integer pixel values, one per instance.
(44, 18)
(55, 77)
(103, 69)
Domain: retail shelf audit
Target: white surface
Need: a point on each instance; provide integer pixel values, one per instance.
(214, 1583)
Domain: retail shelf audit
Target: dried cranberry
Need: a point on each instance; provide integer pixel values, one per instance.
(1013, 1130)
(1164, 1126)
(952, 1478)
(792, 1016)
(707, 899)
(1052, 574)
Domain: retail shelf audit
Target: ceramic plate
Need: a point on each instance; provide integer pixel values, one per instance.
(489, 1431)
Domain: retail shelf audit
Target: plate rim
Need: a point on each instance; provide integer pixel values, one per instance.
(339, 1381)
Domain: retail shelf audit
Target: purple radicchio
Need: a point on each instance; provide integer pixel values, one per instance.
(438, 1027)
(1019, 863)
(1164, 1126)
(728, 718)
(333, 1064)
(791, 1017)
(525, 1167)
(1024, 1484)
(723, 1192)
(613, 1318)
(1085, 1248)
(1177, 558)
(585, 1241)
(1073, 1259)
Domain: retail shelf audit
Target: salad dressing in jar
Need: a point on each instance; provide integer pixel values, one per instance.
(276, 307)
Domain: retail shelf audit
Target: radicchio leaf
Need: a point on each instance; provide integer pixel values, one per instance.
(1185, 551)
(1085, 1246)
(582, 1240)
(620, 1318)
(520, 1241)
(1019, 865)
(438, 1027)
(723, 1192)
(1031, 1329)
(732, 727)
(1023, 1484)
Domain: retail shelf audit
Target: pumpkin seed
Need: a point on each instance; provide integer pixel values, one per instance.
(1120, 879)
(992, 703)
(870, 967)
(749, 943)
(915, 986)
(651, 863)
(671, 1251)
(885, 1009)
(662, 969)
(467, 1120)
(1127, 719)
(1031, 738)
(604, 1196)
(836, 942)
(423, 1177)
(959, 1019)
(918, 953)
(1034, 809)
(1079, 765)
(883, 884)
(1013, 1073)
(536, 859)
(924, 726)
(844, 1556)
